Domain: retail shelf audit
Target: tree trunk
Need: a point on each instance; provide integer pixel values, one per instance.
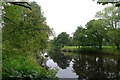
(100, 45)
(117, 45)
(79, 46)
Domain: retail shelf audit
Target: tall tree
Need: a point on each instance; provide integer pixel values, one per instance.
(61, 40)
(114, 37)
(96, 30)
(79, 36)
(112, 18)
(27, 29)
(91, 38)
(25, 33)
(111, 15)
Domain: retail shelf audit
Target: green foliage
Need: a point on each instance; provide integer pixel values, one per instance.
(104, 2)
(25, 34)
(28, 32)
(103, 31)
(98, 31)
(110, 14)
(114, 36)
(61, 40)
(92, 35)
(112, 18)
(79, 36)
(90, 31)
(17, 65)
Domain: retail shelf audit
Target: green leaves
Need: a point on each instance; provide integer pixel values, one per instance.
(114, 36)
(25, 34)
(27, 30)
(61, 40)
(110, 14)
(79, 36)
(19, 66)
(92, 35)
(112, 17)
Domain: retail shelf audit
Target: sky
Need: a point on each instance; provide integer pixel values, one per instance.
(67, 15)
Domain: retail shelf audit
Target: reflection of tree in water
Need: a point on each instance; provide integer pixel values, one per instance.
(62, 61)
(96, 67)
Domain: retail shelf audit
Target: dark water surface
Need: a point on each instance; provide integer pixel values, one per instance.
(82, 66)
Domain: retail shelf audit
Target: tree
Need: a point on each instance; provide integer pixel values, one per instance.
(61, 40)
(79, 36)
(112, 18)
(91, 38)
(111, 15)
(103, 2)
(114, 37)
(27, 31)
(21, 4)
(96, 31)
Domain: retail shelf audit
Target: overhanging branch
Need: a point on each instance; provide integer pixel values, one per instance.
(19, 4)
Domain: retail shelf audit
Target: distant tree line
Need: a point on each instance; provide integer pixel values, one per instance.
(105, 30)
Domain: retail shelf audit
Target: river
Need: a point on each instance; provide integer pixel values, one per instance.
(84, 66)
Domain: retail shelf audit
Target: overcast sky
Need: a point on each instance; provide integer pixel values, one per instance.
(66, 15)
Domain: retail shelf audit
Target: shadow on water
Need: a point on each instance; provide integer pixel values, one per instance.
(86, 66)
(61, 60)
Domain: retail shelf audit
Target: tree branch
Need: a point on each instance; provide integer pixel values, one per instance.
(17, 3)
(10, 20)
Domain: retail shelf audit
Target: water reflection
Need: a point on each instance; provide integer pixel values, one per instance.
(96, 67)
(62, 60)
(85, 66)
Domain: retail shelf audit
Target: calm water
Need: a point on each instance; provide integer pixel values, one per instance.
(74, 65)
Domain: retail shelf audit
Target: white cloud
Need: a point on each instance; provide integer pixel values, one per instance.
(66, 15)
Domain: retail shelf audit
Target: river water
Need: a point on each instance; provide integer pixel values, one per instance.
(84, 66)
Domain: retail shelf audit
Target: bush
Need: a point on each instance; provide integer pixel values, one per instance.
(18, 66)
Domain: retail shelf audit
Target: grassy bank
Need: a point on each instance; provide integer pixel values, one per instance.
(93, 50)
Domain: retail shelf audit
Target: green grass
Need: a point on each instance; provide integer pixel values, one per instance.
(70, 48)
(105, 49)
(74, 47)
(88, 47)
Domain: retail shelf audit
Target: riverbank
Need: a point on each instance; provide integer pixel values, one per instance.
(109, 50)
(23, 66)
